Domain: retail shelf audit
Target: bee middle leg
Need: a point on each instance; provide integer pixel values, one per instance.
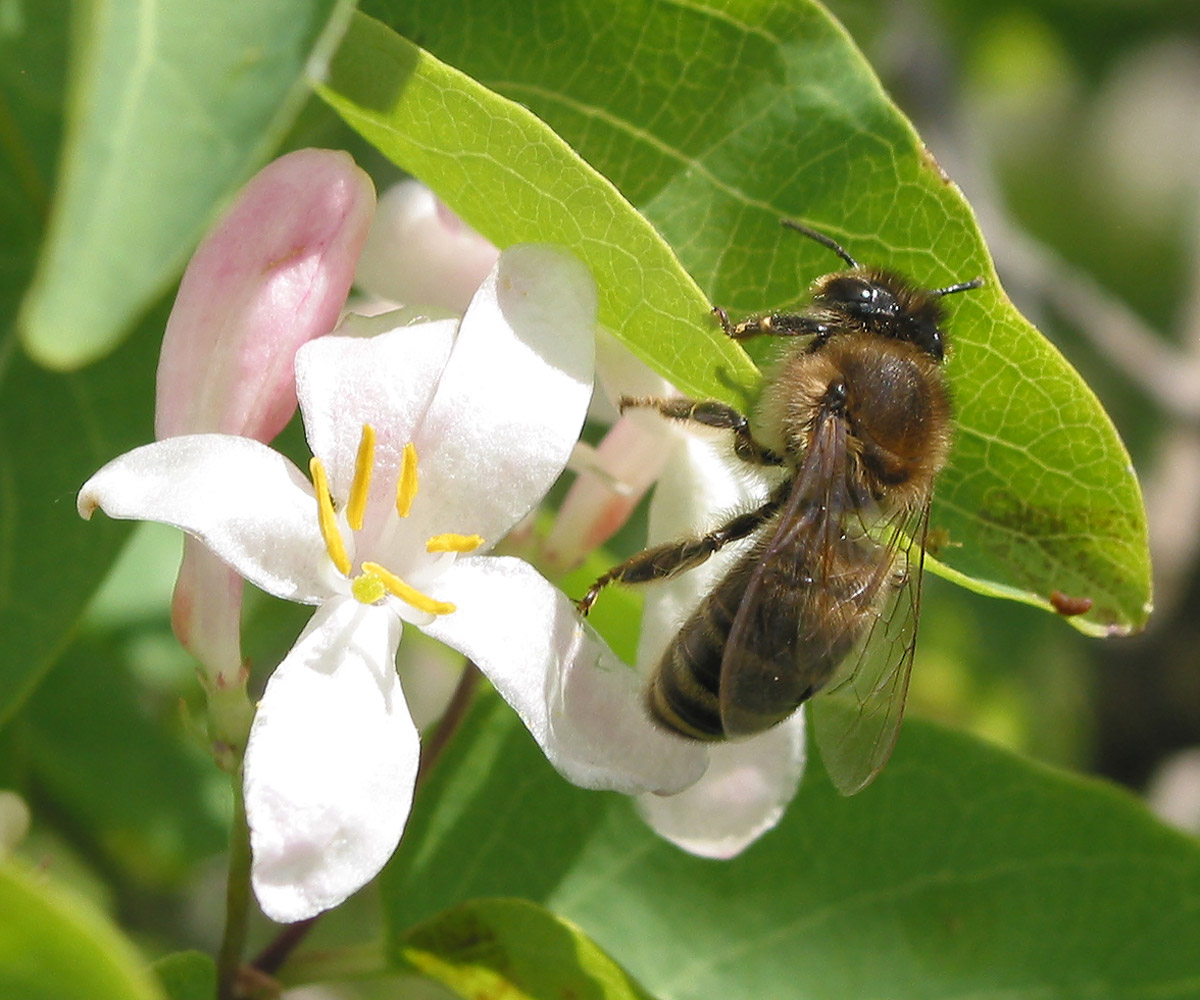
(664, 561)
(710, 413)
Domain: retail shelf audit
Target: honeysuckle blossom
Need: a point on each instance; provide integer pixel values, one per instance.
(748, 783)
(430, 442)
(271, 275)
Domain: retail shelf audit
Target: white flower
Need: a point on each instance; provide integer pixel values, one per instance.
(431, 442)
(748, 783)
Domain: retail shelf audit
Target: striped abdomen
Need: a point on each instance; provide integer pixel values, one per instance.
(808, 612)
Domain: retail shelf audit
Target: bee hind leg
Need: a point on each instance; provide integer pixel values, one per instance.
(710, 413)
(662, 562)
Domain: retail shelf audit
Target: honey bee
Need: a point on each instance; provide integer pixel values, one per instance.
(825, 599)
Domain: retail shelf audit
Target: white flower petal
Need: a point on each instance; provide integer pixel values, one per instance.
(701, 485)
(513, 396)
(331, 764)
(371, 371)
(583, 706)
(743, 795)
(248, 504)
(420, 253)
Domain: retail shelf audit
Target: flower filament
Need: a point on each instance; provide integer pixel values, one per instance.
(375, 582)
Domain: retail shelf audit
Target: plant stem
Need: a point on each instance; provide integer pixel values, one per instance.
(237, 895)
(451, 719)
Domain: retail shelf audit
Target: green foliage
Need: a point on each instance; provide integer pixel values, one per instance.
(52, 558)
(1039, 496)
(53, 945)
(510, 947)
(187, 975)
(171, 107)
(400, 98)
(964, 870)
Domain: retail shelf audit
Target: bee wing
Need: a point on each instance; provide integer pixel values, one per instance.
(856, 719)
(751, 684)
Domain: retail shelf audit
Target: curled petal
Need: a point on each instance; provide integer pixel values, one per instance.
(331, 764)
(583, 706)
(246, 503)
(272, 275)
(422, 254)
(743, 794)
(513, 396)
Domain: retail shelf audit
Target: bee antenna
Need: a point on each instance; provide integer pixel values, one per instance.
(962, 286)
(824, 240)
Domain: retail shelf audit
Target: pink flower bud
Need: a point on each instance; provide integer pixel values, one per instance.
(273, 274)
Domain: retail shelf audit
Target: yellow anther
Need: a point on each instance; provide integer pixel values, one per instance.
(406, 485)
(406, 593)
(357, 505)
(334, 544)
(451, 542)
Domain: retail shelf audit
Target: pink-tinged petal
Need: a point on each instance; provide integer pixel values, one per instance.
(422, 254)
(513, 396)
(206, 612)
(743, 795)
(272, 275)
(626, 463)
(584, 707)
(246, 503)
(331, 764)
(371, 372)
(701, 485)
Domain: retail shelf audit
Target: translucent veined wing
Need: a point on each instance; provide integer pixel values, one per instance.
(790, 628)
(857, 718)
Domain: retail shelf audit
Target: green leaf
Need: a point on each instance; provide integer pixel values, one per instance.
(119, 774)
(716, 124)
(187, 975)
(964, 870)
(54, 945)
(55, 430)
(171, 107)
(516, 182)
(510, 947)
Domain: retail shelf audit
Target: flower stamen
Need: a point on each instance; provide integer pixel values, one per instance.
(363, 463)
(406, 485)
(406, 592)
(450, 542)
(334, 544)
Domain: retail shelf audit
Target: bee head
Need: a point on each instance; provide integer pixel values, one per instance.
(880, 301)
(884, 304)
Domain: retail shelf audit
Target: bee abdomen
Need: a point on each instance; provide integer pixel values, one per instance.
(683, 694)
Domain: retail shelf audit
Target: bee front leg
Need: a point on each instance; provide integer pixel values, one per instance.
(665, 561)
(771, 325)
(710, 413)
